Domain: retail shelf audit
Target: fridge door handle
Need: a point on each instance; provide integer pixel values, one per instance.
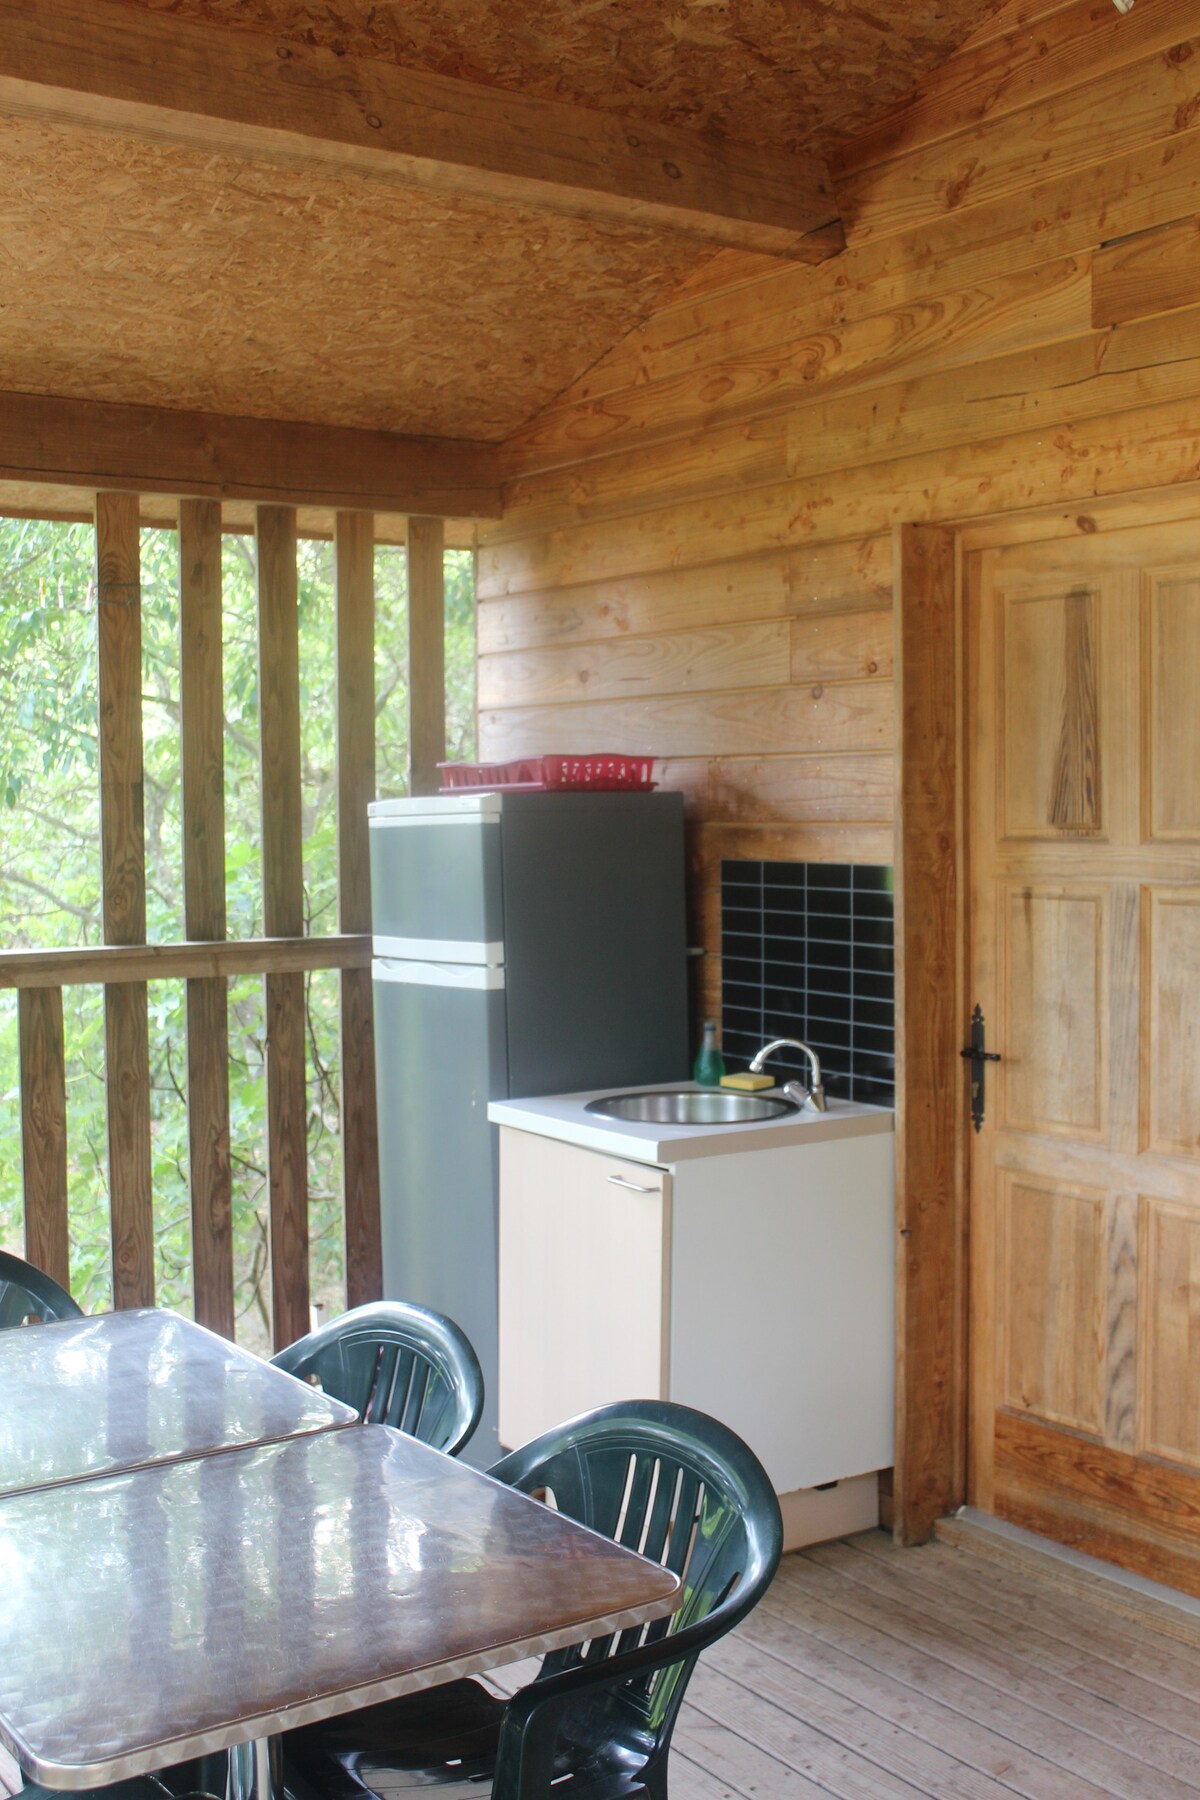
(632, 1187)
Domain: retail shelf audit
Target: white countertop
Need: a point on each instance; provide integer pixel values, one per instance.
(564, 1116)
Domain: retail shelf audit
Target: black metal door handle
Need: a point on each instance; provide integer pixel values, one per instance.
(977, 1056)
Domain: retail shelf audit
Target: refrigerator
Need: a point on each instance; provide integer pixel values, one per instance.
(524, 943)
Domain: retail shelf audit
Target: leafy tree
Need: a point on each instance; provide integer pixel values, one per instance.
(50, 872)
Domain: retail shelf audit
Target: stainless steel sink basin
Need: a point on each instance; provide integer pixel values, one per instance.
(683, 1106)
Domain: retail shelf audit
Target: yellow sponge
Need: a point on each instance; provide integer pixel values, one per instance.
(750, 1083)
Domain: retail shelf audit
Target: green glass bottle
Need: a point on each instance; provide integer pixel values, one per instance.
(709, 1065)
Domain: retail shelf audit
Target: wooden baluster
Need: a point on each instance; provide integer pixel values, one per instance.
(44, 1130)
(123, 864)
(203, 762)
(355, 544)
(426, 655)
(283, 916)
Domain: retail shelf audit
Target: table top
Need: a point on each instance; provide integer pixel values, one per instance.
(160, 1614)
(91, 1396)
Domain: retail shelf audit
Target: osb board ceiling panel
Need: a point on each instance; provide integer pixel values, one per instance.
(143, 272)
(787, 73)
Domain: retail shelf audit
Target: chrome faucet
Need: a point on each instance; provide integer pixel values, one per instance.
(815, 1093)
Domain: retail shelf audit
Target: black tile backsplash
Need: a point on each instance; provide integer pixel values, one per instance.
(808, 951)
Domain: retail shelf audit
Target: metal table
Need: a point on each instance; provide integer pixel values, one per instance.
(126, 1390)
(163, 1613)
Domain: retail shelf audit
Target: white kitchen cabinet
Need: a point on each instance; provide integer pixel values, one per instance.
(756, 1284)
(584, 1257)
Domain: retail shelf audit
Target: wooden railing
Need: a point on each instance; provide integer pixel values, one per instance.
(207, 960)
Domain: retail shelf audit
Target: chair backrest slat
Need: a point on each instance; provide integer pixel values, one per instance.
(396, 1364)
(685, 1491)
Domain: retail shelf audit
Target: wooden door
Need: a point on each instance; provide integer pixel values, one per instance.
(1083, 834)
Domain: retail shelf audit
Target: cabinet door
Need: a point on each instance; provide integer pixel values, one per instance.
(584, 1262)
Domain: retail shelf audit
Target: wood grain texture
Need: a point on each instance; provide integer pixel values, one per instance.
(119, 637)
(213, 89)
(742, 656)
(778, 361)
(1170, 1318)
(851, 577)
(287, 1156)
(174, 962)
(1154, 272)
(1044, 1475)
(283, 915)
(785, 790)
(209, 1171)
(355, 576)
(74, 505)
(1150, 447)
(201, 693)
(930, 1468)
(360, 1140)
(279, 722)
(383, 292)
(823, 716)
(44, 1132)
(1007, 66)
(203, 779)
(842, 646)
(426, 655)
(763, 76)
(1171, 728)
(982, 250)
(1052, 1302)
(1121, 108)
(158, 450)
(123, 867)
(127, 1095)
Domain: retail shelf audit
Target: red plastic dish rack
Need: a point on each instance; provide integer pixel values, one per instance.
(540, 774)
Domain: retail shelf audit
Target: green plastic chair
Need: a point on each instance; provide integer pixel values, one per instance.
(597, 1722)
(27, 1296)
(396, 1364)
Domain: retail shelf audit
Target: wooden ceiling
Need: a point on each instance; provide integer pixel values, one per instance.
(183, 275)
(784, 73)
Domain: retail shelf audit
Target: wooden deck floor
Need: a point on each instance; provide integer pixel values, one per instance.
(883, 1674)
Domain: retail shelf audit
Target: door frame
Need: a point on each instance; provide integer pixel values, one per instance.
(931, 869)
(929, 1477)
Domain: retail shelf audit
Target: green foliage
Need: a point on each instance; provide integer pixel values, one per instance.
(50, 873)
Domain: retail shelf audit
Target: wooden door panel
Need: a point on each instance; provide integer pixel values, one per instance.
(1170, 1337)
(1171, 662)
(1049, 714)
(1053, 956)
(1083, 750)
(1052, 1301)
(1171, 1021)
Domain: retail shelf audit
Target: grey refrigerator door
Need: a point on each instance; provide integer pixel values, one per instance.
(440, 1057)
(595, 946)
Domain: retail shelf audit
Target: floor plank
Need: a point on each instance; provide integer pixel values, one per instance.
(874, 1673)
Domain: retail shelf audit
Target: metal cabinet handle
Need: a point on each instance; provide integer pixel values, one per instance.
(620, 1181)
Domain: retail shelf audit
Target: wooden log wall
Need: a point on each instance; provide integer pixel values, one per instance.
(696, 554)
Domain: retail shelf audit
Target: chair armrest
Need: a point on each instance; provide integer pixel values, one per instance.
(529, 1731)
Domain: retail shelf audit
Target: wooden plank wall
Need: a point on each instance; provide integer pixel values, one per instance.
(695, 557)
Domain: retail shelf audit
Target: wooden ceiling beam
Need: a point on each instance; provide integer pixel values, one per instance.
(239, 93)
(153, 450)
